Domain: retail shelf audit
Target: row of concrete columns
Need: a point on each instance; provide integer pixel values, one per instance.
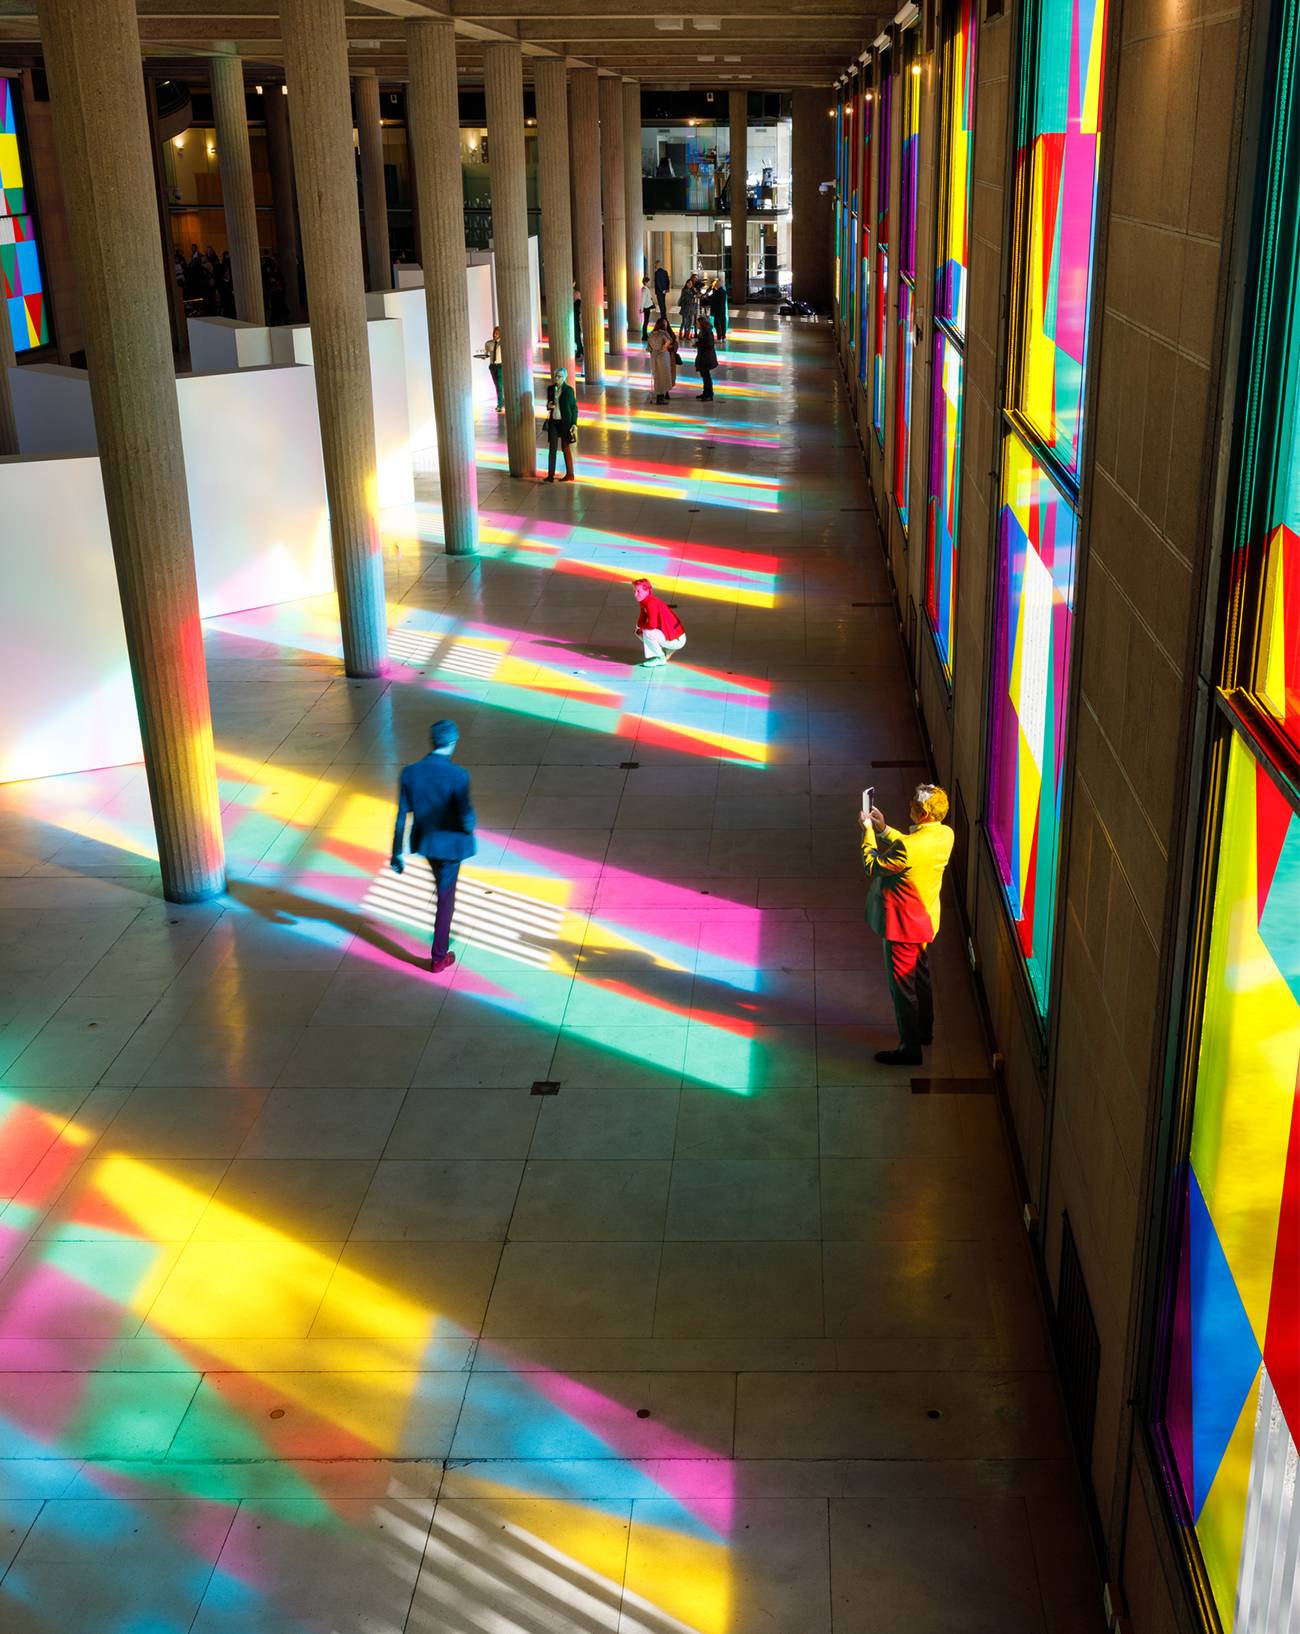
(93, 62)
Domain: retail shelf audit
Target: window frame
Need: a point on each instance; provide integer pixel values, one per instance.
(1010, 423)
(1227, 711)
(948, 332)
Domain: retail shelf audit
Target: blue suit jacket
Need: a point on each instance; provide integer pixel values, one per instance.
(434, 793)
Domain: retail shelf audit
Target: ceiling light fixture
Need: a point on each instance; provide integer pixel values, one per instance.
(670, 25)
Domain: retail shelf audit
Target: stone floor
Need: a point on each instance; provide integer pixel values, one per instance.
(314, 1317)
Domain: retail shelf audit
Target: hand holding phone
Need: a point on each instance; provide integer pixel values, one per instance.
(868, 800)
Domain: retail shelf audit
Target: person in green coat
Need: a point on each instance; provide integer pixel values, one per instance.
(561, 423)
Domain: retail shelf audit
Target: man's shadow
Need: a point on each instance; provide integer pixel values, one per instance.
(280, 907)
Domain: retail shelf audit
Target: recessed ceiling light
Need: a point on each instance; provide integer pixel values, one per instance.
(706, 59)
(670, 25)
(707, 25)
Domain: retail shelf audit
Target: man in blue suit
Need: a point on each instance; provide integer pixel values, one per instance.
(434, 793)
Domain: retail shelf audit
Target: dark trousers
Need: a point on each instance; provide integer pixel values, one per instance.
(661, 295)
(558, 437)
(645, 323)
(444, 883)
(706, 375)
(907, 965)
(494, 369)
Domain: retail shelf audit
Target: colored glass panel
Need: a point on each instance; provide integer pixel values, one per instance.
(1057, 157)
(878, 344)
(947, 380)
(1232, 1400)
(884, 147)
(1275, 677)
(903, 354)
(909, 152)
(21, 288)
(1033, 613)
(957, 166)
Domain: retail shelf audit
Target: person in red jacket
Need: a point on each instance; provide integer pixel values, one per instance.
(658, 626)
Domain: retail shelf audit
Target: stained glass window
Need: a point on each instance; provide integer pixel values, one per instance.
(947, 380)
(1057, 155)
(1058, 108)
(20, 262)
(957, 168)
(864, 258)
(1228, 1400)
(1034, 610)
(909, 153)
(884, 146)
(950, 285)
(1232, 1393)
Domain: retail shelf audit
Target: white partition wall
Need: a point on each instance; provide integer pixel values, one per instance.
(52, 407)
(535, 287)
(409, 307)
(252, 464)
(292, 344)
(257, 487)
(66, 701)
(218, 344)
(482, 315)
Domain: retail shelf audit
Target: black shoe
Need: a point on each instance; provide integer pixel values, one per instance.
(445, 963)
(899, 1058)
(548, 479)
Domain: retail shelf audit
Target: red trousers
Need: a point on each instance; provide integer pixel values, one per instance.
(907, 965)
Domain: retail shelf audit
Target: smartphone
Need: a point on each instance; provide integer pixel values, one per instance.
(868, 800)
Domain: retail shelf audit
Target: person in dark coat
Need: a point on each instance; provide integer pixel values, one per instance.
(577, 324)
(435, 795)
(718, 308)
(561, 423)
(706, 359)
(661, 288)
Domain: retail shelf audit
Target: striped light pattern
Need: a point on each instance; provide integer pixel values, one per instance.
(1056, 196)
(884, 106)
(21, 288)
(947, 378)
(1232, 1401)
(1034, 608)
(948, 375)
(904, 352)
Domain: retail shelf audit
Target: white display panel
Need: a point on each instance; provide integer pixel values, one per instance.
(218, 344)
(291, 343)
(66, 701)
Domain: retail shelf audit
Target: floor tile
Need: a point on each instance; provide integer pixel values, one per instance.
(591, 1200)
(467, 1200)
(557, 1289)
(739, 1290)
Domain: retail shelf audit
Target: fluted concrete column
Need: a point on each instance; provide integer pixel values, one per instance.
(230, 112)
(282, 200)
(585, 162)
(633, 198)
(316, 69)
(92, 59)
(374, 200)
(503, 67)
(550, 81)
(738, 107)
(610, 95)
(433, 127)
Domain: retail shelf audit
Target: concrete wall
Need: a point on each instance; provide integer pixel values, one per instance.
(1083, 1109)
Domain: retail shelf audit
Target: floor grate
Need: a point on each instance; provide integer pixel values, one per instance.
(1078, 1344)
(546, 1086)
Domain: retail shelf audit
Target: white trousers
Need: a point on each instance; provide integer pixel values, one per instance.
(657, 644)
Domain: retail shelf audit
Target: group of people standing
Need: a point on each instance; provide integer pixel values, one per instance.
(207, 280)
(702, 305)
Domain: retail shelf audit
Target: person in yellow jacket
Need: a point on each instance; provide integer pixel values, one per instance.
(905, 874)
